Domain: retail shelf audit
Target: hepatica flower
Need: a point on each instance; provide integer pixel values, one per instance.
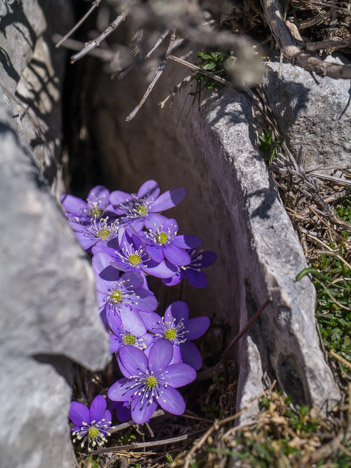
(192, 271)
(133, 256)
(121, 336)
(123, 296)
(151, 381)
(142, 209)
(176, 327)
(98, 233)
(163, 242)
(79, 211)
(91, 425)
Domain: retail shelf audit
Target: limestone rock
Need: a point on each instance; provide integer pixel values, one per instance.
(233, 205)
(48, 313)
(311, 116)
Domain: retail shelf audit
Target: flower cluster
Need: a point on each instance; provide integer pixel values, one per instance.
(130, 240)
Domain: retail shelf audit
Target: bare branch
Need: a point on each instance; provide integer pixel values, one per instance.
(96, 42)
(95, 4)
(155, 79)
(144, 56)
(293, 52)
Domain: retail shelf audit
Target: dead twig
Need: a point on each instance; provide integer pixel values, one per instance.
(144, 57)
(96, 42)
(95, 4)
(218, 424)
(339, 358)
(292, 50)
(159, 72)
(128, 424)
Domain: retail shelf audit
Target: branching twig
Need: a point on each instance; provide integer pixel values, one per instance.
(128, 424)
(96, 42)
(144, 57)
(293, 52)
(95, 4)
(159, 72)
(220, 423)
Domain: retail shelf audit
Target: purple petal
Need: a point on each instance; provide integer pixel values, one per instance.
(171, 400)
(115, 344)
(160, 356)
(147, 302)
(107, 416)
(196, 327)
(196, 278)
(191, 355)
(154, 219)
(134, 278)
(117, 198)
(176, 279)
(73, 205)
(176, 256)
(97, 408)
(79, 413)
(179, 310)
(102, 265)
(160, 270)
(149, 319)
(168, 200)
(115, 323)
(123, 413)
(101, 194)
(179, 375)
(132, 321)
(187, 242)
(133, 359)
(150, 188)
(85, 242)
(206, 258)
(121, 390)
(156, 253)
(142, 412)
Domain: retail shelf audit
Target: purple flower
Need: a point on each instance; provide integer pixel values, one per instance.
(151, 381)
(121, 336)
(98, 233)
(141, 209)
(163, 242)
(176, 327)
(91, 425)
(122, 409)
(79, 211)
(124, 297)
(133, 256)
(192, 271)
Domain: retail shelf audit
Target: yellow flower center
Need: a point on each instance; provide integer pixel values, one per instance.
(93, 432)
(129, 339)
(134, 259)
(95, 212)
(161, 238)
(104, 233)
(171, 334)
(142, 210)
(151, 382)
(116, 296)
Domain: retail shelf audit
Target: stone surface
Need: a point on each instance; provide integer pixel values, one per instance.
(48, 313)
(32, 71)
(316, 117)
(233, 205)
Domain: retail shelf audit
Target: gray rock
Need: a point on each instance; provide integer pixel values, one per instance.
(48, 313)
(32, 70)
(233, 205)
(316, 117)
(48, 310)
